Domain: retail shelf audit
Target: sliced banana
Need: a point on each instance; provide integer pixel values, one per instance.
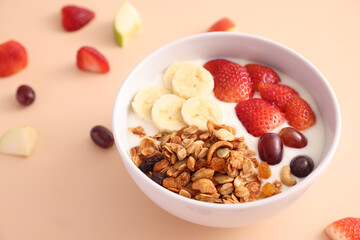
(166, 113)
(198, 110)
(192, 81)
(170, 72)
(144, 100)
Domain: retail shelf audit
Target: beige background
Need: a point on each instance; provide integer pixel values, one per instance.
(71, 189)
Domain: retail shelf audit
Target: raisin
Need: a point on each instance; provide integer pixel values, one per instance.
(218, 164)
(158, 177)
(148, 163)
(268, 189)
(264, 170)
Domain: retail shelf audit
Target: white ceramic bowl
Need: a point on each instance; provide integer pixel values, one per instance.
(231, 45)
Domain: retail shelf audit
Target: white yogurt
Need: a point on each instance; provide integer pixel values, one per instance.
(314, 134)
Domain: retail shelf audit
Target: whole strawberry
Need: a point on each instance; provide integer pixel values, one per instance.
(258, 116)
(232, 83)
(299, 114)
(260, 73)
(213, 66)
(74, 18)
(344, 229)
(277, 94)
(13, 58)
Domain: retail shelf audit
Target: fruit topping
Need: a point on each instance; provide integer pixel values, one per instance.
(74, 17)
(268, 189)
(13, 58)
(198, 110)
(277, 94)
(149, 162)
(258, 116)
(293, 138)
(224, 24)
(170, 72)
(213, 66)
(166, 113)
(90, 60)
(102, 136)
(233, 83)
(260, 73)
(158, 177)
(18, 141)
(25, 95)
(299, 114)
(301, 166)
(270, 148)
(264, 170)
(127, 24)
(344, 229)
(144, 100)
(191, 81)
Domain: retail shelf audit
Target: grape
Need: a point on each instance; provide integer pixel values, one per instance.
(25, 95)
(102, 136)
(293, 138)
(301, 166)
(270, 148)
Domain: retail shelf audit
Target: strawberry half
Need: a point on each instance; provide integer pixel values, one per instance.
(90, 60)
(213, 66)
(299, 114)
(13, 58)
(74, 18)
(277, 94)
(232, 83)
(223, 24)
(344, 229)
(258, 116)
(260, 73)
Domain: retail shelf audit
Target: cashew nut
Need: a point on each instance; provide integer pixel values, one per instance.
(216, 146)
(286, 178)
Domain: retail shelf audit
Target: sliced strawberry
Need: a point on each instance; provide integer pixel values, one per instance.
(224, 24)
(277, 94)
(13, 58)
(344, 229)
(89, 59)
(74, 18)
(260, 73)
(213, 66)
(299, 114)
(232, 83)
(258, 116)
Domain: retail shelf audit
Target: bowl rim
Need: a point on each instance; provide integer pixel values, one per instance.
(305, 183)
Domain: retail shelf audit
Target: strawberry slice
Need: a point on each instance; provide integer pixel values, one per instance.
(299, 114)
(223, 24)
(232, 83)
(277, 94)
(258, 116)
(74, 18)
(213, 66)
(90, 60)
(344, 229)
(260, 73)
(13, 58)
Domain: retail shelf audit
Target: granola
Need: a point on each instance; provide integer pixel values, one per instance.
(211, 166)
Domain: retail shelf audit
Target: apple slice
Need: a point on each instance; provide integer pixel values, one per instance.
(127, 24)
(18, 141)
(224, 24)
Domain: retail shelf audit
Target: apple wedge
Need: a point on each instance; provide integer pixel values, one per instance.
(18, 141)
(127, 24)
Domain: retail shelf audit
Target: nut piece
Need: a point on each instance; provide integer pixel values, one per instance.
(222, 152)
(204, 185)
(216, 146)
(286, 178)
(203, 173)
(224, 135)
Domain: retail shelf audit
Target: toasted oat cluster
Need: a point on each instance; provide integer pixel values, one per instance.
(212, 166)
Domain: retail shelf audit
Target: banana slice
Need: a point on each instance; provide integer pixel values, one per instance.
(198, 110)
(166, 113)
(144, 100)
(170, 72)
(192, 81)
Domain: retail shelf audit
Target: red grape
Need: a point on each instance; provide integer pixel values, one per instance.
(25, 95)
(293, 138)
(102, 136)
(270, 148)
